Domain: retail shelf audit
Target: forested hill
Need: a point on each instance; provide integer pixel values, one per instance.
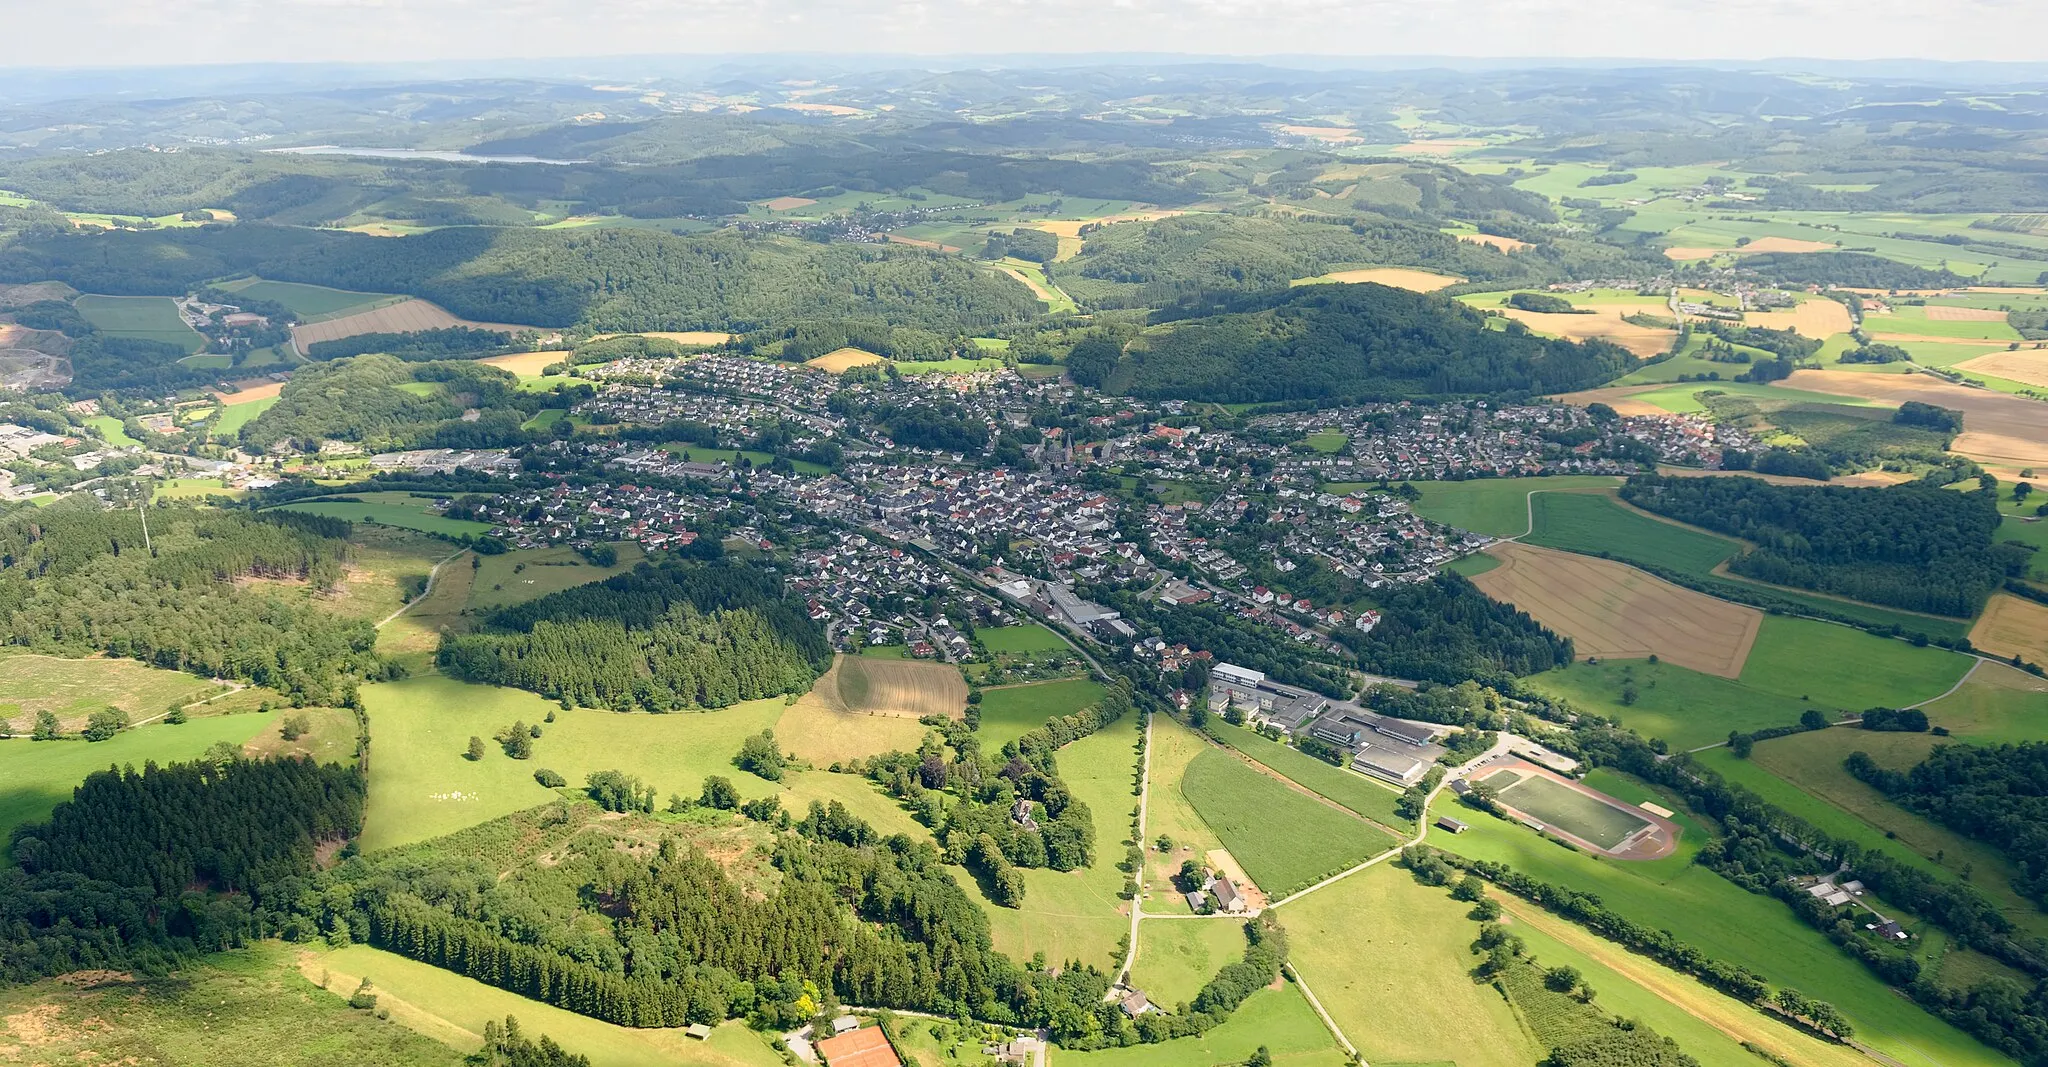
(679, 635)
(76, 579)
(1918, 547)
(610, 279)
(1353, 341)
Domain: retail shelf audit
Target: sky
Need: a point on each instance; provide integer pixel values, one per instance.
(152, 32)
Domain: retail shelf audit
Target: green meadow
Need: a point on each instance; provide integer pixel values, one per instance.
(147, 318)
(1495, 506)
(311, 303)
(391, 508)
(36, 776)
(1352, 790)
(1010, 711)
(1285, 841)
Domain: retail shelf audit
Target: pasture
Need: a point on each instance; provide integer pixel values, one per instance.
(112, 431)
(422, 787)
(1077, 915)
(390, 508)
(1168, 814)
(1995, 704)
(236, 414)
(1498, 507)
(1277, 1019)
(2012, 626)
(1378, 938)
(146, 318)
(906, 688)
(528, 574)
(1020, 640)
(1680, 705)
(1176, 959)
(75, 688)
(452, 1010)
(1846, 668)
(1347, 788)
(1008, 712)
(955, 365)
(247, 1007)
(310, 303)
(39, 775)
(1728, 923)
(1284, 839)
(823, 735)
(1610, 609)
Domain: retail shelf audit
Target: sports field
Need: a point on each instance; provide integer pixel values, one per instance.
(390, 508)
(1610, 609)
(1573, 811)
(1284, 839)
(1008, 712)
(147, 318)
(907, 688)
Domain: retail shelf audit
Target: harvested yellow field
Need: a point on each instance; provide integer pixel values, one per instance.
(1619, 397)
(824, 736)
(836, 110)
(1420, 281)
(787, 203)
(2011, 626)
(1505, 244)
(1605, 322)
(1818, 319)
(1761, 244)
(843, 359)
(256, 390)
(406, 316)
(909, 688)
(526, 364)
(1861, 478)
(1967, 342)
(1688, 254)
(1612, 609)
(1997, 427)
(2029, 365)
(917, 242)
(1944, 313)
(1072, 227)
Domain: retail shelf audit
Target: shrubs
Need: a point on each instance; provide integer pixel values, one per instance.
(549, 779)
(762, 756)
(619, 791)
(105, 723)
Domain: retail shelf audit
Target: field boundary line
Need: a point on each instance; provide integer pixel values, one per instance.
(1281, 777)
(1144, 800)
(1335, 1030)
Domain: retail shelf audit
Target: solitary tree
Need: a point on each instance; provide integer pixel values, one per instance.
(476, 748)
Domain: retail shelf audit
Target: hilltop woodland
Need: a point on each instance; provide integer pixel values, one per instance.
(968, 797)
(1997, 795)
(362, 399)
(1914, 546)
(76, 579)
(664, 638)
(1352, 341)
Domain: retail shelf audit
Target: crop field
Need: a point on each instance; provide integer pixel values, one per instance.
(1175, 959)
(1610, 609)
(2028, 366)
(908, 688)
(1998, 428)
(1077, 915)
(1008, 712)
(452, 1010)
(147, 318)
(1498, 507)
(405, 316)
(1284, 840)
(390, 508)
(1576, 812)
(1020, 640)
(421, 786)
(1168, 814)
(1605, 323)
(1379, 938)
(843, 359)
(528, 574)
(1418, 281)
(1846, 668)
(310, 302)
(824, 735)
(2013, 626)
(1817, 317)
(1348, 788)
(1278, 1020)
(39, 775)
(244, 1008)
(1728, 923)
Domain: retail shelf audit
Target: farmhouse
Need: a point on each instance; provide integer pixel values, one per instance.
(1227, 896)
(1135, 1003)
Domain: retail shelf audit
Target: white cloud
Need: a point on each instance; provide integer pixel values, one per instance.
(149, 31)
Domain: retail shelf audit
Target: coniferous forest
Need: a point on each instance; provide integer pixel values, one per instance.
(664, 638)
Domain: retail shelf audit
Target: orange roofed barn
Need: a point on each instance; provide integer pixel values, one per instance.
(867, 1047)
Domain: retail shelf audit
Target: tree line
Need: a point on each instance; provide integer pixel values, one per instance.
(1997, 794)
